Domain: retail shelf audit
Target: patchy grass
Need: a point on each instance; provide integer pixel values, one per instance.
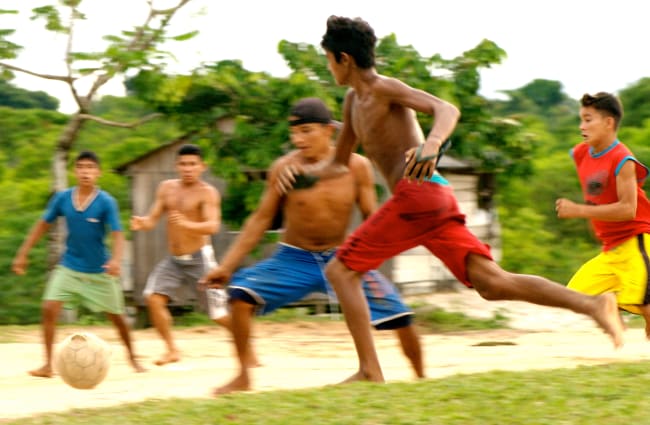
(610, 394)
(437, 320)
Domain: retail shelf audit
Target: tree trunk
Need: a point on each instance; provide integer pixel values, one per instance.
(60, 182)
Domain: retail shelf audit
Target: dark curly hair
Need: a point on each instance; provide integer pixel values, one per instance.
(352, 36)
(605, 103)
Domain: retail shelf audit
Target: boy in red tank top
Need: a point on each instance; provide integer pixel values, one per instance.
(616, 205)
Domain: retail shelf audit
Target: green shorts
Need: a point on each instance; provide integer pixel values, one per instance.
(99, 292)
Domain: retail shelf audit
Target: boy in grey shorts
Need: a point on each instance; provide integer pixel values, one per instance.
(193, 209)
(176, 277)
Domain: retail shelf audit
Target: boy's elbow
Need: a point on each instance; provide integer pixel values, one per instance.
(214, 228)
(629, 213)
(455, 112)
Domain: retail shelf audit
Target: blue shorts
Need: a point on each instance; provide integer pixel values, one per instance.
(291, 274)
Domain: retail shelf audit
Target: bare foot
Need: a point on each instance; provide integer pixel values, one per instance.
(42, 372)
(137, 366)
(253, 362)
(171, 357)
(360, 376)
(608, 318)
(240, 383)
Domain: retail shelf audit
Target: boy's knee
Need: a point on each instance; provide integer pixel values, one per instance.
(493, 287)
(333, 268)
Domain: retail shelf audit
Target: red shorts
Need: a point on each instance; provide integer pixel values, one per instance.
(417, 214)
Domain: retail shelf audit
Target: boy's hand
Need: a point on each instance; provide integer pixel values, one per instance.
(421, 161)
(286, 180)
(566, 208)
(138, 223)
(216, 278)
(112, 267)
(19, 265)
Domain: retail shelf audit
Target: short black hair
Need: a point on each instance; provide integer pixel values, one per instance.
(190, 149)
(352, 36)
(89, 155)
(605, 103)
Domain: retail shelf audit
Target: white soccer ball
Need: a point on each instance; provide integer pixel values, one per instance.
(82, 360)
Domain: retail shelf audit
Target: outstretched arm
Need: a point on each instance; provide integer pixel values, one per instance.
(251, 233)
(19, 264)
(149, 221)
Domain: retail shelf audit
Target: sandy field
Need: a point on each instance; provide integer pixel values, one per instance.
(308, 354)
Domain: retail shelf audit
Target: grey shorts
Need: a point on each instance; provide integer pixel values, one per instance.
(177, 275)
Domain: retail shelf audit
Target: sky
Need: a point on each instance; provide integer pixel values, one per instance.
(589, 46)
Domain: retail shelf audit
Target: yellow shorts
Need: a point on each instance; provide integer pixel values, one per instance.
(623, 270)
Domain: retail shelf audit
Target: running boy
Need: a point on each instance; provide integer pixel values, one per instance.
(379, 113)
(616, 205)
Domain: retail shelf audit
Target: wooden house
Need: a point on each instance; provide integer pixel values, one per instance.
(414, 271)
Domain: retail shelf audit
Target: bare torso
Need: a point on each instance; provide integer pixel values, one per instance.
(188, 200)
(317, 218)
(385, 131)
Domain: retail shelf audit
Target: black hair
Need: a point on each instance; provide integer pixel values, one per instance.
(352, 36)
(605, 103)
(189, 149)
(89, 155)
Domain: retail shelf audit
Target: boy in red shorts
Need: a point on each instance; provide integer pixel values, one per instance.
(379, 113)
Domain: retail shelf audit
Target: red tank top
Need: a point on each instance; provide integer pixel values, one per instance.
(597, 173)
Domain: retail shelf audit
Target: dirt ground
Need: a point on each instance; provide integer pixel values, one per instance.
(308, 354)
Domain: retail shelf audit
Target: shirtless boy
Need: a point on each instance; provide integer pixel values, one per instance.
(379, 114)
(316, 220)
(193, 210)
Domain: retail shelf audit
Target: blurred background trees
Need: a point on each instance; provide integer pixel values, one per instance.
(524, 138)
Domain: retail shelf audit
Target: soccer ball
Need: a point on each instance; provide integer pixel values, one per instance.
(82, 360)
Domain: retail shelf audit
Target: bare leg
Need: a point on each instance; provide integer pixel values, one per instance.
(162, 321)
(410, 342)
(241, 319)
(122, 327)
(348, 288)
(494, 283)
(226, 322)
(645, 312)
(50, 312)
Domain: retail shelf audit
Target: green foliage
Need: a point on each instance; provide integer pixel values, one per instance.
(635, 103)
(25, 186)
(254, 107)
(434, 319)
(17, 98)
(21, 295)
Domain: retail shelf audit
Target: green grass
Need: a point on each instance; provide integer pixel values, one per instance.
(611, 394)
(435, 319)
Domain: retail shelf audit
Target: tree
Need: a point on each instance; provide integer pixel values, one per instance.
(636, 103)
(136, 48)
(15, 97)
